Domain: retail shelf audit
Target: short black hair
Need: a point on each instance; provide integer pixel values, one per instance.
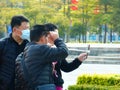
(50, 27)
(37, 32)
(17, 20)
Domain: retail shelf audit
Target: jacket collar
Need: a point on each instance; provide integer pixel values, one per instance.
(11, 38)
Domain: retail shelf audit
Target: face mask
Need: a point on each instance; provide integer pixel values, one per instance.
(26, 34)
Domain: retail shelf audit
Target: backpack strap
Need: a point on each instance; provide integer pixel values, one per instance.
(26, 73)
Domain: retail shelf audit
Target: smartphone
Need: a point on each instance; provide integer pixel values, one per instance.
(88, 49)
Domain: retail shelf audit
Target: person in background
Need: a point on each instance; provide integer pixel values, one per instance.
(63, 64)
(10, 48)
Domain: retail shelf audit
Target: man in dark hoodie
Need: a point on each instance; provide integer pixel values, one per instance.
(63, 64)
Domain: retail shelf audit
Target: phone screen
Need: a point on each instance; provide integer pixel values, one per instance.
(88, 49)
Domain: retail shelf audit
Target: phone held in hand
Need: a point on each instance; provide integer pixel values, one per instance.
(88, 49)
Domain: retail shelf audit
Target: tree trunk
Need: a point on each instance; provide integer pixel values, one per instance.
(79, 37)
(105, 26)
(105, 34)
(111, 35)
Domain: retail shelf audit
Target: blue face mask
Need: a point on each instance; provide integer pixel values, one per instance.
(26, 34)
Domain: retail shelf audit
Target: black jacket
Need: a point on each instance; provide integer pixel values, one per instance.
(39, 58)
(65, 66)
(9, 50)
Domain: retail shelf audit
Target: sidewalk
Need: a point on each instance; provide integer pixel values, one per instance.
(71, 77)
(99, 53)
(98, 45)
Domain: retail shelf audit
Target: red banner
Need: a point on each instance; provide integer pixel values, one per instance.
(75, 7)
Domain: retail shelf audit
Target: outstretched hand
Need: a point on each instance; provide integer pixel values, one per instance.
(82, 57)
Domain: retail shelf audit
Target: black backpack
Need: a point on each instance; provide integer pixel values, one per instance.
(22, 77)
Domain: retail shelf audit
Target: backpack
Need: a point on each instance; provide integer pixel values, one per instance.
(22, 77)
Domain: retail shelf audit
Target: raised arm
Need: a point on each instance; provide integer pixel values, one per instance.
(70, 66)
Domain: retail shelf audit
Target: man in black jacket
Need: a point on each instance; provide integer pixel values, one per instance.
(63, 64)
(39, 57)
(10, 48)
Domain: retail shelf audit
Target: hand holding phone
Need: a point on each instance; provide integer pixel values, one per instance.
(82, 57)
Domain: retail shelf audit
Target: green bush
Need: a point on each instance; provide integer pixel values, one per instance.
(97, 82)
(92, 87)
(99, 79)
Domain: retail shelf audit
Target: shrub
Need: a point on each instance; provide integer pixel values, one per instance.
(99, 79)
(92, 87)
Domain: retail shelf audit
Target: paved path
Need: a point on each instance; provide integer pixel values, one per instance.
(71, 77)
(93, 45)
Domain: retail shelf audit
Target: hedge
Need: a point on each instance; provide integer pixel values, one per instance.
(99, 79)
(92, 87)
(97, 82)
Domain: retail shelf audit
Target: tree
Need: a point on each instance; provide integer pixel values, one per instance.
(105, 5)
(77, 31)
(115, 21)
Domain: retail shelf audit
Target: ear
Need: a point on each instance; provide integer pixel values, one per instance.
(41, 39)
(16, 31)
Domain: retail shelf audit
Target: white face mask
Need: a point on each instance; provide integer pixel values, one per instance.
(26, 34)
